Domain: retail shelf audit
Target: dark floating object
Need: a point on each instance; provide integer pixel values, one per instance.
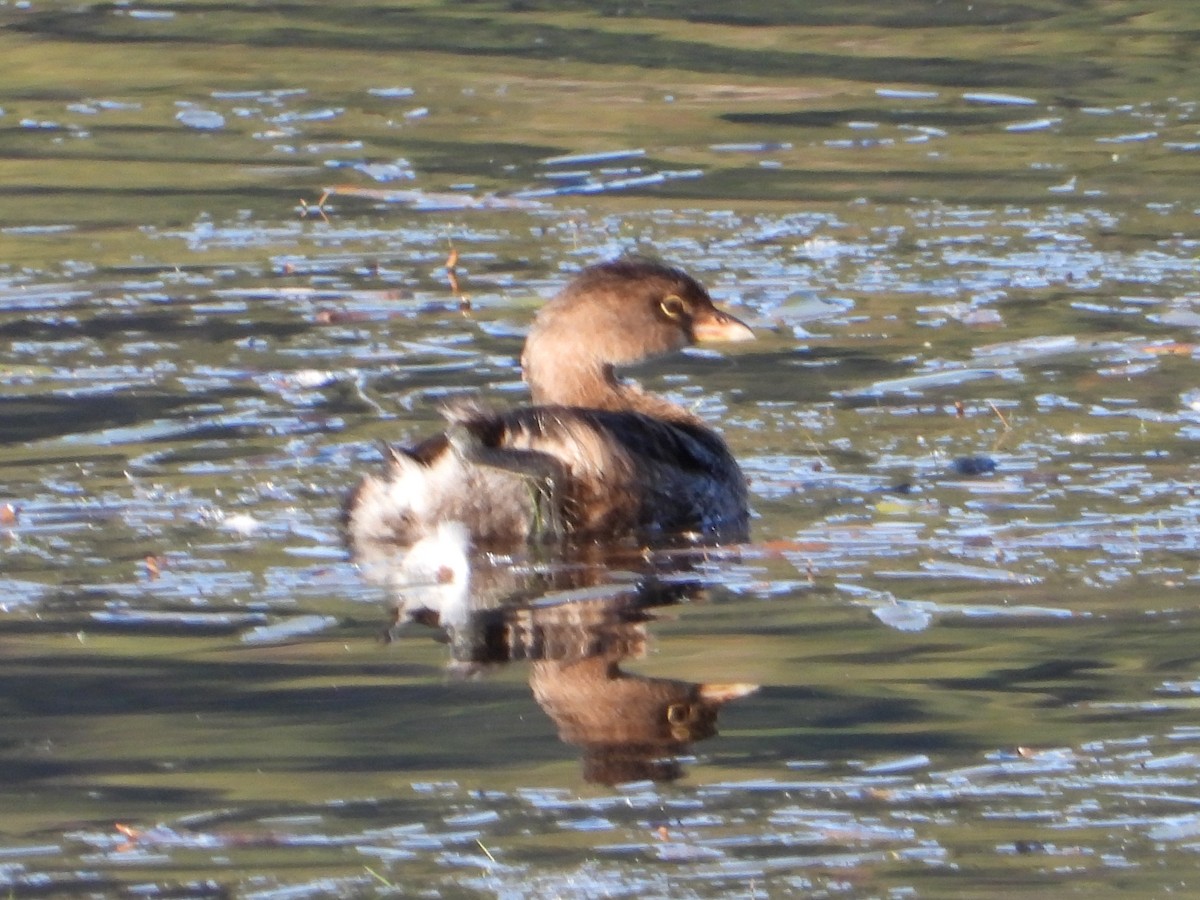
(594, 458)
(969, 466)
(973, 465)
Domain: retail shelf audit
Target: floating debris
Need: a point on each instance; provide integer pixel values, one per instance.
(973, 465)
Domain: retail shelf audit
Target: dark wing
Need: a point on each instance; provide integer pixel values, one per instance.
(618, 471)
(648, 442)
(689, 446)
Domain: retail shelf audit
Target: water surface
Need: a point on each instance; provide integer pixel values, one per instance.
(966, 238)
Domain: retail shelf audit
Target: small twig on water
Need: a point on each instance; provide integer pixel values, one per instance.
(486, 851)
(378, 877)
(319, 206)
(360, 388)
(1000, 416)
(464, 300)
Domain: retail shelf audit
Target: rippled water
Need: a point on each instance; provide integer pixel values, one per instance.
(969, 423)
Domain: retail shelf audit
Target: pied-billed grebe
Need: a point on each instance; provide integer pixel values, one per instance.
(594, 458)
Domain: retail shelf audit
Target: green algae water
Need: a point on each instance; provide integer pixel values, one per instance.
(242, 244)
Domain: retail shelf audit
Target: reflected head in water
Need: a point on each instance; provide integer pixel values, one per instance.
(574, 624)
(630, 727)
(595, 458)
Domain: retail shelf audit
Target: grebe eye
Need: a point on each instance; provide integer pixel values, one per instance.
(673, 307)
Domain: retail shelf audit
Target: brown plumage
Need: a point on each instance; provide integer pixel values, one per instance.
(594, 458)
(629, 726)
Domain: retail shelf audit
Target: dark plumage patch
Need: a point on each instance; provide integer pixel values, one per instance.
(684, 445)
(627, 269)
(428, 450)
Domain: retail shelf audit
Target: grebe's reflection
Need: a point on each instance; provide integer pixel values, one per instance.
(574, 621)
